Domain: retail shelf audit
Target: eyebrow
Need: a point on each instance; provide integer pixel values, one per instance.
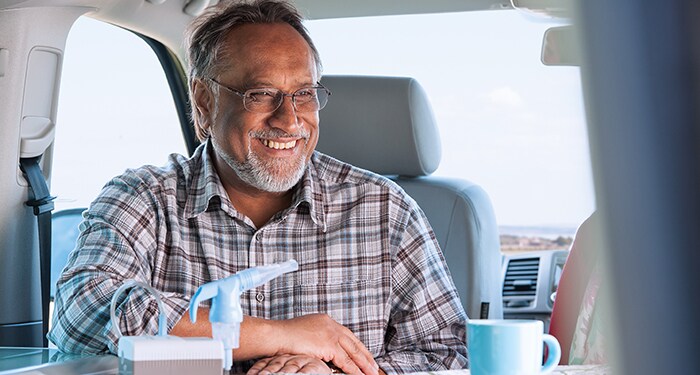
(267, 84)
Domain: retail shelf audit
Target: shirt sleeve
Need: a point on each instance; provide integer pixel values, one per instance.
(427, 324)
(116, 243)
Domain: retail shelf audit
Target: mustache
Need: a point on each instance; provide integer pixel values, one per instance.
(278, 133)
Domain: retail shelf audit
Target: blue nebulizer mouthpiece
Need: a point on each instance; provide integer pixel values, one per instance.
(226, 314)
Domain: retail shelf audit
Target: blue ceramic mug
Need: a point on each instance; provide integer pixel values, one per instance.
(508, 347)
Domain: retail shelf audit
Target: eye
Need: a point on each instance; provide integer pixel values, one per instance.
(260, 95)
(305, 94)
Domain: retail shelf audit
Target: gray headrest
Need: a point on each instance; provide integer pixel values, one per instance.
(384, 124)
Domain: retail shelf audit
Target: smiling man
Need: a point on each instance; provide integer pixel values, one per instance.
(263, 143)
(372, 293)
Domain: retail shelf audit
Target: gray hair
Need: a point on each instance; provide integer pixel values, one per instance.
(206, 34)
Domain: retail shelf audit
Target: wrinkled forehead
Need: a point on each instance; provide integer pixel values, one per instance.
(266, 46)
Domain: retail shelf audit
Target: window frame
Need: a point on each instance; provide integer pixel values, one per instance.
(177, 81)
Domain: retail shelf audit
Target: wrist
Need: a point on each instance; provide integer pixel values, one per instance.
(275, 337)
(257, 339)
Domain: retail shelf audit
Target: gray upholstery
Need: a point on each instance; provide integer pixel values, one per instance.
(371, 113)
(385, 124)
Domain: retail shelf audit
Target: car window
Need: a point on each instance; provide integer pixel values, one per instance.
(115, 112)
(507, 122)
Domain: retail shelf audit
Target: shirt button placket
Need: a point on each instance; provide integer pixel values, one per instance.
(256, 242)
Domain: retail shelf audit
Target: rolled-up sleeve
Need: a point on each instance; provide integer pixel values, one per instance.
(117, 241)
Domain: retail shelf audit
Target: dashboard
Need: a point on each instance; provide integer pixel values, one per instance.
(530, 282)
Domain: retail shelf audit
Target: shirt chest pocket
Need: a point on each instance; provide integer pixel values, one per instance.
(359, 305)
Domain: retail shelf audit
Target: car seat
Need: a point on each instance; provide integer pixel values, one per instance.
(573, 284)
(64, 235)
(386, 125)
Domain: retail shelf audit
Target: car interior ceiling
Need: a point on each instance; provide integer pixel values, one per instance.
(642, 122)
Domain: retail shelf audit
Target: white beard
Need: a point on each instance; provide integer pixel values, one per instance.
(274, 175)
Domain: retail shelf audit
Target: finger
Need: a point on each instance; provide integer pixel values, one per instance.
(359, 354)
(290, 367)
(258, 366)
(275, 364)
(345, 363)
(315, 368)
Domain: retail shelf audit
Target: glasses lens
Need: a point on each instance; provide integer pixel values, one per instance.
(262, 100)
(306, 99)
(323, 94)
(268, 100)
(311, 99)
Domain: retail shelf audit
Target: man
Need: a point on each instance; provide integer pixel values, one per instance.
(372, 293)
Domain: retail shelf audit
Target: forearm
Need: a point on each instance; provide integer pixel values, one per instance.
(82, 319)
(256, 340)
(427, 355)
(79, 322)
(430, 331)
(427, 339)
(314, 335)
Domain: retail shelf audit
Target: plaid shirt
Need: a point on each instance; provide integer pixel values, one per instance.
(367, 258)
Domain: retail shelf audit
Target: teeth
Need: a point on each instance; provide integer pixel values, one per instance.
(278, 145)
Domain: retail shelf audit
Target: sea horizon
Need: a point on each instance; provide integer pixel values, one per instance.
(544, 231)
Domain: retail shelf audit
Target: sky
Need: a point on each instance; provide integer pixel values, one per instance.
(507, 122)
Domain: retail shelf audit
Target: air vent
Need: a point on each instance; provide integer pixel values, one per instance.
(521, 277)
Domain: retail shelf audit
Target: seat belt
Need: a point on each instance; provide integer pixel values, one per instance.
(42, 202)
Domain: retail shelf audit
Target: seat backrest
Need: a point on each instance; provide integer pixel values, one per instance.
(64, 235)
(386, 125)
(575, 277)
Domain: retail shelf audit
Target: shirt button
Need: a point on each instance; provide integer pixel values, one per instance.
(258, 237)
(260, 297)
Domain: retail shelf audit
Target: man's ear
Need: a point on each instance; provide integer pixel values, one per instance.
(204, 103)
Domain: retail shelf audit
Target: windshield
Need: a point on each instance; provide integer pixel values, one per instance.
(507, 122)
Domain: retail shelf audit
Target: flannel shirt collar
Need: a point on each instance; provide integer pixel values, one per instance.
(206, 185)
(309, 191)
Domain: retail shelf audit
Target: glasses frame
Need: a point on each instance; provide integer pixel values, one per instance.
(244, 95)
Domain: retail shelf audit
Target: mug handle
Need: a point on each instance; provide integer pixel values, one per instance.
(554, 353)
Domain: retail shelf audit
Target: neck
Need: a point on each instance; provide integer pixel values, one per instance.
(258, 205)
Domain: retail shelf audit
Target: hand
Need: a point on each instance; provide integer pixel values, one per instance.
(319, 336)
(289, 363)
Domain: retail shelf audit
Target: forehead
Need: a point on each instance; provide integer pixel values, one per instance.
(255, 51)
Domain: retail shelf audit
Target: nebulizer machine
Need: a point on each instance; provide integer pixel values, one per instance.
(177, 355)
(226, 314)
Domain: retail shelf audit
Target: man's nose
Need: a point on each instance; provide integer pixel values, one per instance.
(285, 116)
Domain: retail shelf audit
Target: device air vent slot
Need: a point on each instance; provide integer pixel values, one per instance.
(521, 277)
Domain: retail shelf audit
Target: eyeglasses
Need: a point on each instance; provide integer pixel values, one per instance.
(267, 100)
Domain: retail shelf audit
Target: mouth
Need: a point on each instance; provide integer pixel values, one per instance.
(279, 145)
